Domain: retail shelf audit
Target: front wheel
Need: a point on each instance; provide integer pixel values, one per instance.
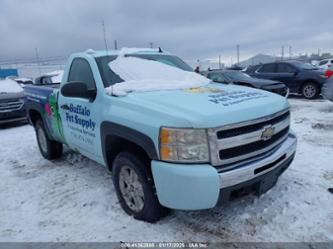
(310, 90)
(48, 148)
(135, 188)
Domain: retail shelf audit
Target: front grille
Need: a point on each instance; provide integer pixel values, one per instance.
(252, 147)
(250, 128)
(233, 144)
(11, 105)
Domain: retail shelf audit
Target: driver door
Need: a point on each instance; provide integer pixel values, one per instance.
(81, 126)
(287, 75)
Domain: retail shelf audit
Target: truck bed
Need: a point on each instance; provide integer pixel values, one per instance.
(52, 85)
(42, 99)
(39, 93)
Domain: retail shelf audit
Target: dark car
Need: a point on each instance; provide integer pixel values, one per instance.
(11, 102)
(240, 78)
(300, 77)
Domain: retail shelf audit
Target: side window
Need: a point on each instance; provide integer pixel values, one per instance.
(80, 71)
(285, 68)
(46, 80)
(217, 77)
(267, 68)
(322, 62)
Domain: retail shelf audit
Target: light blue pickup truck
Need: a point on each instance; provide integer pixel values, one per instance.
(187, 147)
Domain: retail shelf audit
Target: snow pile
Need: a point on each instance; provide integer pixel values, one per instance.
(10, 86)
(143, 75)
(23, 79)
(72, 199)
(124, 51)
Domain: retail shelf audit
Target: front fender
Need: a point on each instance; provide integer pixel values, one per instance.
(129, 134)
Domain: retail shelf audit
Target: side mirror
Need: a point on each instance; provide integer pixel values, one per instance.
(78, 90)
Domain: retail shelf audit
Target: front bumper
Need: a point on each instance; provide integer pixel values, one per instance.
(13, 115)
(283, 91)
(201, 186)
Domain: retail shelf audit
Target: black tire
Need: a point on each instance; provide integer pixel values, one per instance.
(310, 90)
(48, 148)
(151, 211)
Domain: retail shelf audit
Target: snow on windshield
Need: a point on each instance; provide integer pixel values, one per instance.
(143, 75)
(10, 86)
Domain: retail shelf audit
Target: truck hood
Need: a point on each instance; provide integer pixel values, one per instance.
(7, 96)
(10, 86)
(210, 106)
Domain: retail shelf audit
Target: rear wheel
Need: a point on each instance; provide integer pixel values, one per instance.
(135, 188)
(48, 148)
(310, 90)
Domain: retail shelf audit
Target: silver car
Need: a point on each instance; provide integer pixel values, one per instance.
(327, 90)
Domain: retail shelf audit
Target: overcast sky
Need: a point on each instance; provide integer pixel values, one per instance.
(191, 29)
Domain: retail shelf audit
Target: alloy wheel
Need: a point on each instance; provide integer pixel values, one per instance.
(131, 188)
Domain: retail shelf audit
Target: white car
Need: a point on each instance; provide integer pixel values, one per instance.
(327, 90)
(325, 64)
(50, 78)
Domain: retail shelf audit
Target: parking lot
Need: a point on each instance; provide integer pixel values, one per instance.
(73, 199)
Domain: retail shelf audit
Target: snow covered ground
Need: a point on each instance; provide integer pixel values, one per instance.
(73, 199)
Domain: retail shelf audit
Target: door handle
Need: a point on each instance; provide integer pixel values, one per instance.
(65, 107)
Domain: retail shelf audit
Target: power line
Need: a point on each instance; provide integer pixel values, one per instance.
(33, 60)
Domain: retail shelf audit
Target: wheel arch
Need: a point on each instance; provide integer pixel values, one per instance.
(308, 81)
(34, 116)
(116, 138)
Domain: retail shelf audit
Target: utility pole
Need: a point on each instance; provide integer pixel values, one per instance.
(104, 35)
(37, 57)
(151, 44)
(115, 45)
(318, 51)
(220, 66)
(282, 53)
(290, 53)
(237, 54)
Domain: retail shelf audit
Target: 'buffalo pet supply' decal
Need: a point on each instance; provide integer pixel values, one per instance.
(234, 97)
(204, 90)
(80, 115)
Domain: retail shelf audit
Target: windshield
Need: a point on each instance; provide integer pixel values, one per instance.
(305, 66)
(236, 75)
(170, 60)
(110, 78)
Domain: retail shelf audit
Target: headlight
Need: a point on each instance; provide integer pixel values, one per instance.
(184, 145)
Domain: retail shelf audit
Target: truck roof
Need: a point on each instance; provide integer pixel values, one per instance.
(100, 53)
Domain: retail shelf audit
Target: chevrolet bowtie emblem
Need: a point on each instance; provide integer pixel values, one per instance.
(267, 133)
